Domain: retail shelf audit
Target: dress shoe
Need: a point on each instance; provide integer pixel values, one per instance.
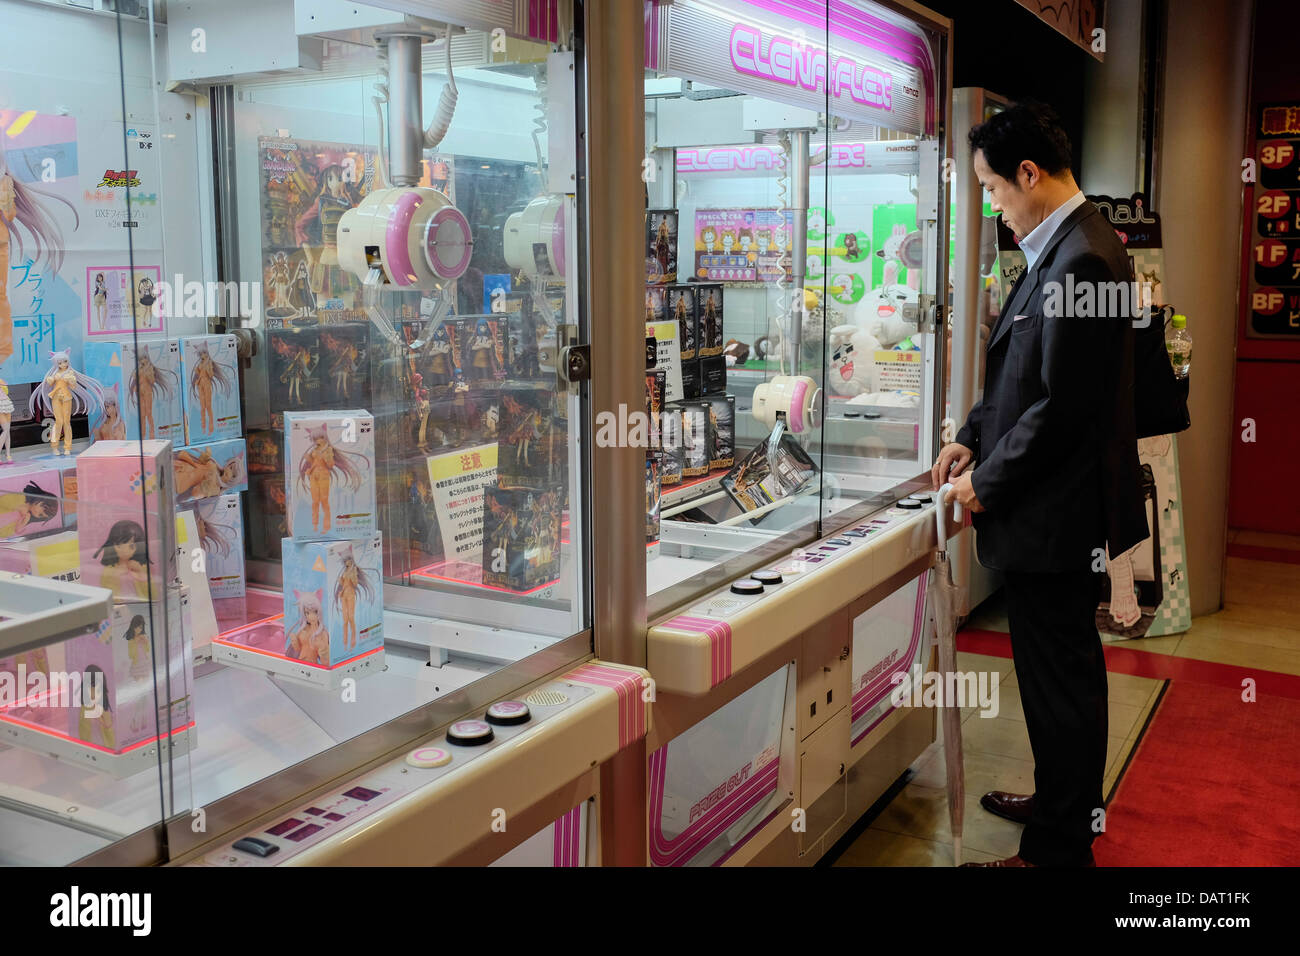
(1015, 807)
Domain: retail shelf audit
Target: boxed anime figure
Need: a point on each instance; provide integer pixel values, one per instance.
(210, 382)
(330, 474)
(656, 305)
(480, 347)
(344, 369)
(293, 374)
(526, 333)
(270, 522)
(655, 382)
(333, 599)
(653, 489)
(661, 245)
(221, 536)
(681, 309)
(672, 460)
(530, 445)
(695, 451)
(721, 430)
(713, 375)
(141, 651)
(691, 379)
(708, 309)
(30, 501)
(265, 452)
(127, 517)
(521, 536)
(205, 471)
(141, 388)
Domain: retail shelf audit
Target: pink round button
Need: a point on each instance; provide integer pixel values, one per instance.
(469, 733)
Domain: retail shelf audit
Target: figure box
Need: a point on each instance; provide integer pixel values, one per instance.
(330, 474)
(221, 536)
(207, 471)
(681, 309)
(695, 450)
(294, 371)
(653, 491)
(531, 443)
(127, 517)
(266, 452)
(712, 375)
(480, 347)
(333, 599)
(721, 410)
(344, 369)
(142, 389)
(31, 501)
(656, 380)
(661, 246)
(139, 652)
(210, 379)
(673, 459)
(521, 537)
(710, 339)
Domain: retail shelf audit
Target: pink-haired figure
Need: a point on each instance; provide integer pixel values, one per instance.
(316, 473)
(21, 205)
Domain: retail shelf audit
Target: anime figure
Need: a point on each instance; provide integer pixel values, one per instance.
(144, 300)
(199, 476)
(319, 226)
(302, 291)
(146, 383)
(663, 246)
(207, 373)
(422, 410)
(112, 428)
(279, 281)
(352, 579)
(126, 563)
(764, 241)
(709, 332)
(298, 370)
(728, 241)
(21, 509)
(344, 366)
(6, 417)
(100, 298)
(316, 473)
(746, 239)
(20, 205)
(95, 697)
(684, 324)
(308, 640)
(63, 393)
(137, 645)
(480, 358)
(438, 350)
(529, 427)
(709, 236)
(504, 526)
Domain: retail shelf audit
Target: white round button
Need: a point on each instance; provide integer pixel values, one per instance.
(469, 733)
(428, 757)
(505, 712)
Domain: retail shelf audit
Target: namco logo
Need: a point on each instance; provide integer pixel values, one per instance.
(119, 179)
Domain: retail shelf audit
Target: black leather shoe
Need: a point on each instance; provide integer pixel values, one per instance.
(1015, 807)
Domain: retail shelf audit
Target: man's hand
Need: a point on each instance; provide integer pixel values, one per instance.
(963, 492)
(953, 459)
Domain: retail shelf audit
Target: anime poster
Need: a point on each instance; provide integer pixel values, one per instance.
(119, 299)
(743, 245)
(40, 309)
(306, 189)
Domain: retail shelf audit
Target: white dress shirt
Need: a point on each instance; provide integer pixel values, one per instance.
(1034, 243)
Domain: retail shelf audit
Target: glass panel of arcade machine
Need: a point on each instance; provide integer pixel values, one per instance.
(738, 471)
(410, 516)
(95, 688)
(880, 244)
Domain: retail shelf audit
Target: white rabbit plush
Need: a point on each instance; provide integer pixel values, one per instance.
(850, 359)
(890, 312)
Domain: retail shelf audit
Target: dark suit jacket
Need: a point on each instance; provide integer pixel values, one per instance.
(1056, 463)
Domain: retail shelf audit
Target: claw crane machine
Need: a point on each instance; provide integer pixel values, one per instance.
(798, 150)
(367, 226)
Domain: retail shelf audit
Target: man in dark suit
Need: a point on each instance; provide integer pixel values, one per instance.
(1055, 476)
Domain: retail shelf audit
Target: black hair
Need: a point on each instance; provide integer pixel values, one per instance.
(34, 494)
(122, 533)
(104, 700)
(1026, 131)
(137, 621)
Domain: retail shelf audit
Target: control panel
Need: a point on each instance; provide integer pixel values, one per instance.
(435, 761)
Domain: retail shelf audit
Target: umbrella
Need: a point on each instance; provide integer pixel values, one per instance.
(943, 598)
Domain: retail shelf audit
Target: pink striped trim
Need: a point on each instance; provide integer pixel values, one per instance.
(678, 850)
(631, 709)
(861, 704)
(651, 35)
(719, 635)
(543, 20)
(566, 849)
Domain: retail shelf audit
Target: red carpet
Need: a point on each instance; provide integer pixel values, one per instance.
(1214, 781)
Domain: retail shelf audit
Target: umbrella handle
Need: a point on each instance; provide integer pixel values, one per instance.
(939, 510)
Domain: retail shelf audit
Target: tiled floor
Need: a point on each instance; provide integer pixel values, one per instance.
(1259, 627)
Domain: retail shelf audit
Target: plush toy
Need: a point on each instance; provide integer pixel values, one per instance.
(890, 312)
(850, 359)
